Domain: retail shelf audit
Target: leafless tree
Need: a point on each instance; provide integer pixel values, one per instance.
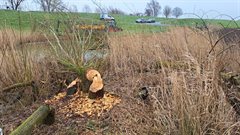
(167, 11)
(51, 5)
(87, 9)
(14, 4)
(112, 10)
(153, 7)
(97, 10)
(100, 8)
(73, 8)
(148, 12)
(136, 14)
(177, 12)
(139, 14)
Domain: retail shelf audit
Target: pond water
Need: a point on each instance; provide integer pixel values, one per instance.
(157, 24)
(92, 54)
(40, 52)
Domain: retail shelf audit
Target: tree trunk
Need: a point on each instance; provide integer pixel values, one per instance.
(37, 118)
(85, 84)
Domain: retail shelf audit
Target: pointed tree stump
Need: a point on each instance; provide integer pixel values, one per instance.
(96, 88)
(73, 87)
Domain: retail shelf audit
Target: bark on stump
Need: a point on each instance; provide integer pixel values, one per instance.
(85, 84)
(96, 95)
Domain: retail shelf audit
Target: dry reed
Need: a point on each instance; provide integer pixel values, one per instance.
(184, 99)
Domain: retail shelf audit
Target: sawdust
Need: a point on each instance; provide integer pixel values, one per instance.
(80, 105)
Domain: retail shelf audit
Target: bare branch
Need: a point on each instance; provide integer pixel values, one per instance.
(51, 5)
(153, 8)
(99, 7)
(15, 3)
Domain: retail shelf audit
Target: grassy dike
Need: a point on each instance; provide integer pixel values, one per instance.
(30, 20)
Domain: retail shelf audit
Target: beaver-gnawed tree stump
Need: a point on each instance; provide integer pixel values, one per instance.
(96, 88)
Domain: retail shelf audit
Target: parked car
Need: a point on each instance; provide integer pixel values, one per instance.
(105, 16)
(141, 20)
(150, 21)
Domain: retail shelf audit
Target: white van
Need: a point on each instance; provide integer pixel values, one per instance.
(105, 16)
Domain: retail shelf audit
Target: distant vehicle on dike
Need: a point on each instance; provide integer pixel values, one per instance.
(142, 20)
(106, 16)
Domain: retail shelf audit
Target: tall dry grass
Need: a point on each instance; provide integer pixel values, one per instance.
(18, 64)
(185, 94)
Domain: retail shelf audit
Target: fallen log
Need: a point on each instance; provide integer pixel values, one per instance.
(37, 118)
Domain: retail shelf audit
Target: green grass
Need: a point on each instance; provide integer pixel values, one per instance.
(199, 22)
(30, 20)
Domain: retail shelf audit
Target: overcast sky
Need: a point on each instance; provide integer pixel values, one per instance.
(199, 7)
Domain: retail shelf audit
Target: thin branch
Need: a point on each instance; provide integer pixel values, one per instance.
(18, 85)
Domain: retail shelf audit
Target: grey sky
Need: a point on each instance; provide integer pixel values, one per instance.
(200, 7)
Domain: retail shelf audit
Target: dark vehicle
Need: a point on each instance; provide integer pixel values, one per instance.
(142, 20)
(150, 21)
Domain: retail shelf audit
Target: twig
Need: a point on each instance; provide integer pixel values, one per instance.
(222, 37)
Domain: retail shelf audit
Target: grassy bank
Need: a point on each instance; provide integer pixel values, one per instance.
(31, 20)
